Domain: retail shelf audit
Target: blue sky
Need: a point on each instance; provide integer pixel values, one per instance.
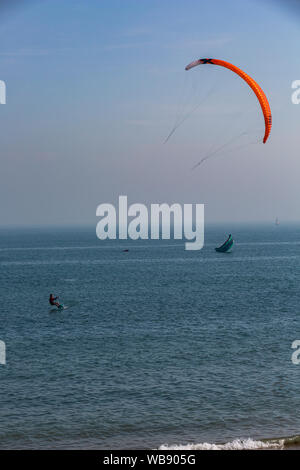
(94, 87)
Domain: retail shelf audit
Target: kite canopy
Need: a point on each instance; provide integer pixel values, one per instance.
(252, 83)
(226, 245)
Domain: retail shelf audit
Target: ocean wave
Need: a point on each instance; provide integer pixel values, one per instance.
(237, 444)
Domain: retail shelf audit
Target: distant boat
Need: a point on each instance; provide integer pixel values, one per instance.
(277, 221)
(226, 245)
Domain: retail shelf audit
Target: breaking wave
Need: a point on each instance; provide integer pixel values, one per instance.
(239, 444)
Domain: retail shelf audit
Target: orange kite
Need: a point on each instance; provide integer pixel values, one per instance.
(252, 83)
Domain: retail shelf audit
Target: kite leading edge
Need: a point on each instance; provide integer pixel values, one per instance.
(252, 83)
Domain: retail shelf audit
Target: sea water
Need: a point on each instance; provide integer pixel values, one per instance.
(158, 347)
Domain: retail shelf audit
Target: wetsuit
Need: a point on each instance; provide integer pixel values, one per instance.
(52, 300)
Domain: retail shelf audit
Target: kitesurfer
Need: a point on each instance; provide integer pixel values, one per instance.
(52, 300)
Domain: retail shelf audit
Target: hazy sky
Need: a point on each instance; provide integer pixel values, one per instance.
(94, 88)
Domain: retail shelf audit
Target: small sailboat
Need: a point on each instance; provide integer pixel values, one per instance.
(277, 221)
(226, 245)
